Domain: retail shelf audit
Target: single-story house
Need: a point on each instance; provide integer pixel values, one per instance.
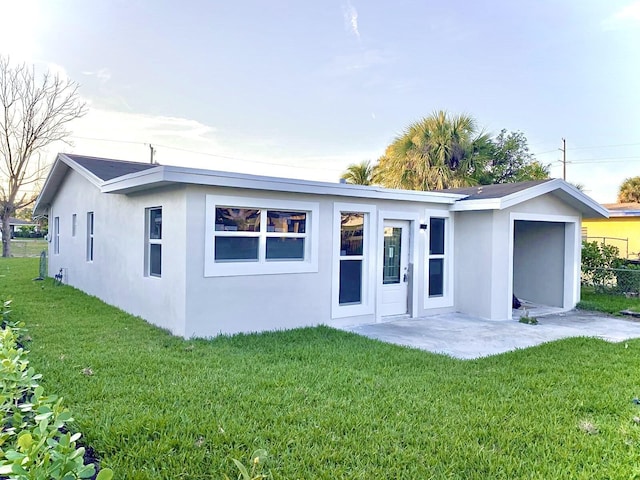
(203, 252)
(621, 229)
(15, 223)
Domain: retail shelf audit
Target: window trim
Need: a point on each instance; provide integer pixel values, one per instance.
(263, 266)
(446, 299)
(151, 241)
(367, 304)
(90, 236)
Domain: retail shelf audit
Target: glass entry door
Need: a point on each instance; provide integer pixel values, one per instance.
(395, 267)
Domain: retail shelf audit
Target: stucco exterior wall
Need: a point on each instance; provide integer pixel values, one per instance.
(474, 252)
(116, 274)
(622, 232)
(245, 303)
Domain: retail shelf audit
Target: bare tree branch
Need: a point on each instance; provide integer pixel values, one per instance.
(33, 114)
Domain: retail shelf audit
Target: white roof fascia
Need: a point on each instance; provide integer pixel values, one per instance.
(528, 194)
(56, 175)
(164, 175)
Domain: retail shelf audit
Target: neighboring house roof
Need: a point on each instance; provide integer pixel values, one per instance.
(18, 222)
(113, 176)
(623, 209)
(505, 195)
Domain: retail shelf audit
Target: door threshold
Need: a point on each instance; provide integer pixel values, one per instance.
(391, 318)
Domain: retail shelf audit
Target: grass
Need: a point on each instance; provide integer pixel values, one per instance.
(324, 403)
(606, 302)
(28, 247)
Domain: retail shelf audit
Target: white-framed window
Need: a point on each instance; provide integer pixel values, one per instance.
(74, 224)
(439, 258)
(90, 225)
(56, 235)
(253, 236)
(153, 242)
(353, 266)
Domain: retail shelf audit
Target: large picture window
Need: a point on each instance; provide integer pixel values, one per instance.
(254, 236)
(242, 232)
(153, 250)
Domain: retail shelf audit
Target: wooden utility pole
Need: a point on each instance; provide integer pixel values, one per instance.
(564, 159)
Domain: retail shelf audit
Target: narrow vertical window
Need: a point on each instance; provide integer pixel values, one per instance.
(74, 224)
(153, 252)
(351, 258)
(90, 236)
(56, 235)
(436, 256)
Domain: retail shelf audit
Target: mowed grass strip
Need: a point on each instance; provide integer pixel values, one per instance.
(324, 403)
(606, 302)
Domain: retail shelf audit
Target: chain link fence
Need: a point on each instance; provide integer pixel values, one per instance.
(615, 281)
(28, 248)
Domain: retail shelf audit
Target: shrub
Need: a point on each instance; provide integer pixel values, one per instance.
(34, 441)
(598, 260)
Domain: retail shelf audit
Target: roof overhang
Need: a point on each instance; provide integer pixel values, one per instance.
(166, 175)
(58, 172)
(566, 192)
(170, 175)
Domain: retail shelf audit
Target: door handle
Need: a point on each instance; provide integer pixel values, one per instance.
(405, 278)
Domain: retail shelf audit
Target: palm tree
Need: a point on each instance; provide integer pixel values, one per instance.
(629, 190)
(439, 151)
(362, 173)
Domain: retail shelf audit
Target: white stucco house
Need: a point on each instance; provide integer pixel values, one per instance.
(203, 253)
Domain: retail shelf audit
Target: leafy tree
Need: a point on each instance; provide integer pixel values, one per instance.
(511, 161)
(362, 173)
(439, 151)
(629, 191)
(33, 114)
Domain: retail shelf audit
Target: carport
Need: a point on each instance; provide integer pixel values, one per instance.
(519, 239)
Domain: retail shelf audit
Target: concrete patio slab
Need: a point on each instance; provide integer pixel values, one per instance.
(465, 337)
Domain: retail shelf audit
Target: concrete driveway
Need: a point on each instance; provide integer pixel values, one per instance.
(465, 337)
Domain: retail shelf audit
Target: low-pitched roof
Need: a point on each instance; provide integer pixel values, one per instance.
(19, 222)
(627, 209)
(116, 176)
(505, 195)
(107, 169)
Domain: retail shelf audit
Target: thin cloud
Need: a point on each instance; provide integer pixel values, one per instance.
(351, 19)
(103, 74)
(627, 16)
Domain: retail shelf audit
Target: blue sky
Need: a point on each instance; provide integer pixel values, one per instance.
(302, 89)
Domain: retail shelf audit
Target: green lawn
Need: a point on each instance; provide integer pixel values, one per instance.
(604, 302)
(326, 404)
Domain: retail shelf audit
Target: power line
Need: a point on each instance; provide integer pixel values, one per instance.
(214, 155)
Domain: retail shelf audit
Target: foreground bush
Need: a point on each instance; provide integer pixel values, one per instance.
(34, 441)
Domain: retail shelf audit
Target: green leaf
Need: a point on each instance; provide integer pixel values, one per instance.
(243, 469)
(25, 441)
(87, 471)
(105, 474)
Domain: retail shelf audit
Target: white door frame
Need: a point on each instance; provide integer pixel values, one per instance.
(414, 226)
(572, 253)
